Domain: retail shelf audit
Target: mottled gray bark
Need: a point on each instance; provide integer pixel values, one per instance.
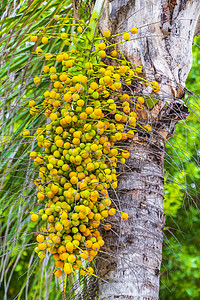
(130, 270)
(130, 266)
(163, 44)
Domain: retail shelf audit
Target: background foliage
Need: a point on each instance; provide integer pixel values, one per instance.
(22, 274)
(181, 259)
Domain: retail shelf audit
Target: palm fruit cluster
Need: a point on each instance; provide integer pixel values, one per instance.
(87, 117)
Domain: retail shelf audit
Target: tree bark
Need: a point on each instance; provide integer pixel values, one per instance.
(163, 44)
(130, 264)
(130, 270)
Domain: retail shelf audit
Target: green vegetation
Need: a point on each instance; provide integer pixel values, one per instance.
(181, 259)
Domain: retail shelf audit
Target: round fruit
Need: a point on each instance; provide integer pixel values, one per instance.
(126, 36)
(58, 273)
(44, 40)
(34, 38)
(34, 217)
(106, 33)
(125, 216)
(134, 30)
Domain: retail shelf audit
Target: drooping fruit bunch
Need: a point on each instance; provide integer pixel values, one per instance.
(87, 114)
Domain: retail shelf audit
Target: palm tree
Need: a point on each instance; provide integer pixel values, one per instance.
(131, 270)
(164, 48)
(130, 262)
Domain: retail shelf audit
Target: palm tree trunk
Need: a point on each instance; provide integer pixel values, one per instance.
(129, 267)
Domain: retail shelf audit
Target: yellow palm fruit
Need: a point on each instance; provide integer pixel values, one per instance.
(41, 254)
(68, 119)
(94, 86)
(76, 141)
(69, 247)
(61, 249)
(42, 246)
(88, 243)
(126, 109)
(102, 46)
(80, 103)
(117, 84)
(33, 155)
(51, 218)
(114, 53)
(82, 79)
(26, 132)
(95, 95)
(46, 69)
(118, 136)
(83, 116)
(59, 143)
(57, 84)
(56, 239)
(32, 103)
(97, 111)
(59, 263)
(39, 51)
(155, 86)
(139, 107)
(59, 57)
(104, 214)
(94, 196)
(34, 38)
(40, 238)
(106, 33)
(125, 154)
(134, 30)
(58, 273)
(63, 77)
(101, 243)
(82, 272)
(39, 160)
(48, 56)
(94, 147)
(69, 63)
(72, 258)
(102, 53)
(80, 29)
(40, 196)
(112, 211)
(53, 116)
(82, 228)
(125, 97)
(63, 35)
(37, 80)
(64, 256)
(122, 160)
(58, 226)
(52, 70)
(118, 117)
(140, 100)
(90, 167)
(34, 217)
(44, 40)
(147, 127)
(125, 216)
(81, 216)
(107, 226)
(126, 36)
(67, 268)
(84, 255)
(90, 270)
(123, 69)
(52, 94)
